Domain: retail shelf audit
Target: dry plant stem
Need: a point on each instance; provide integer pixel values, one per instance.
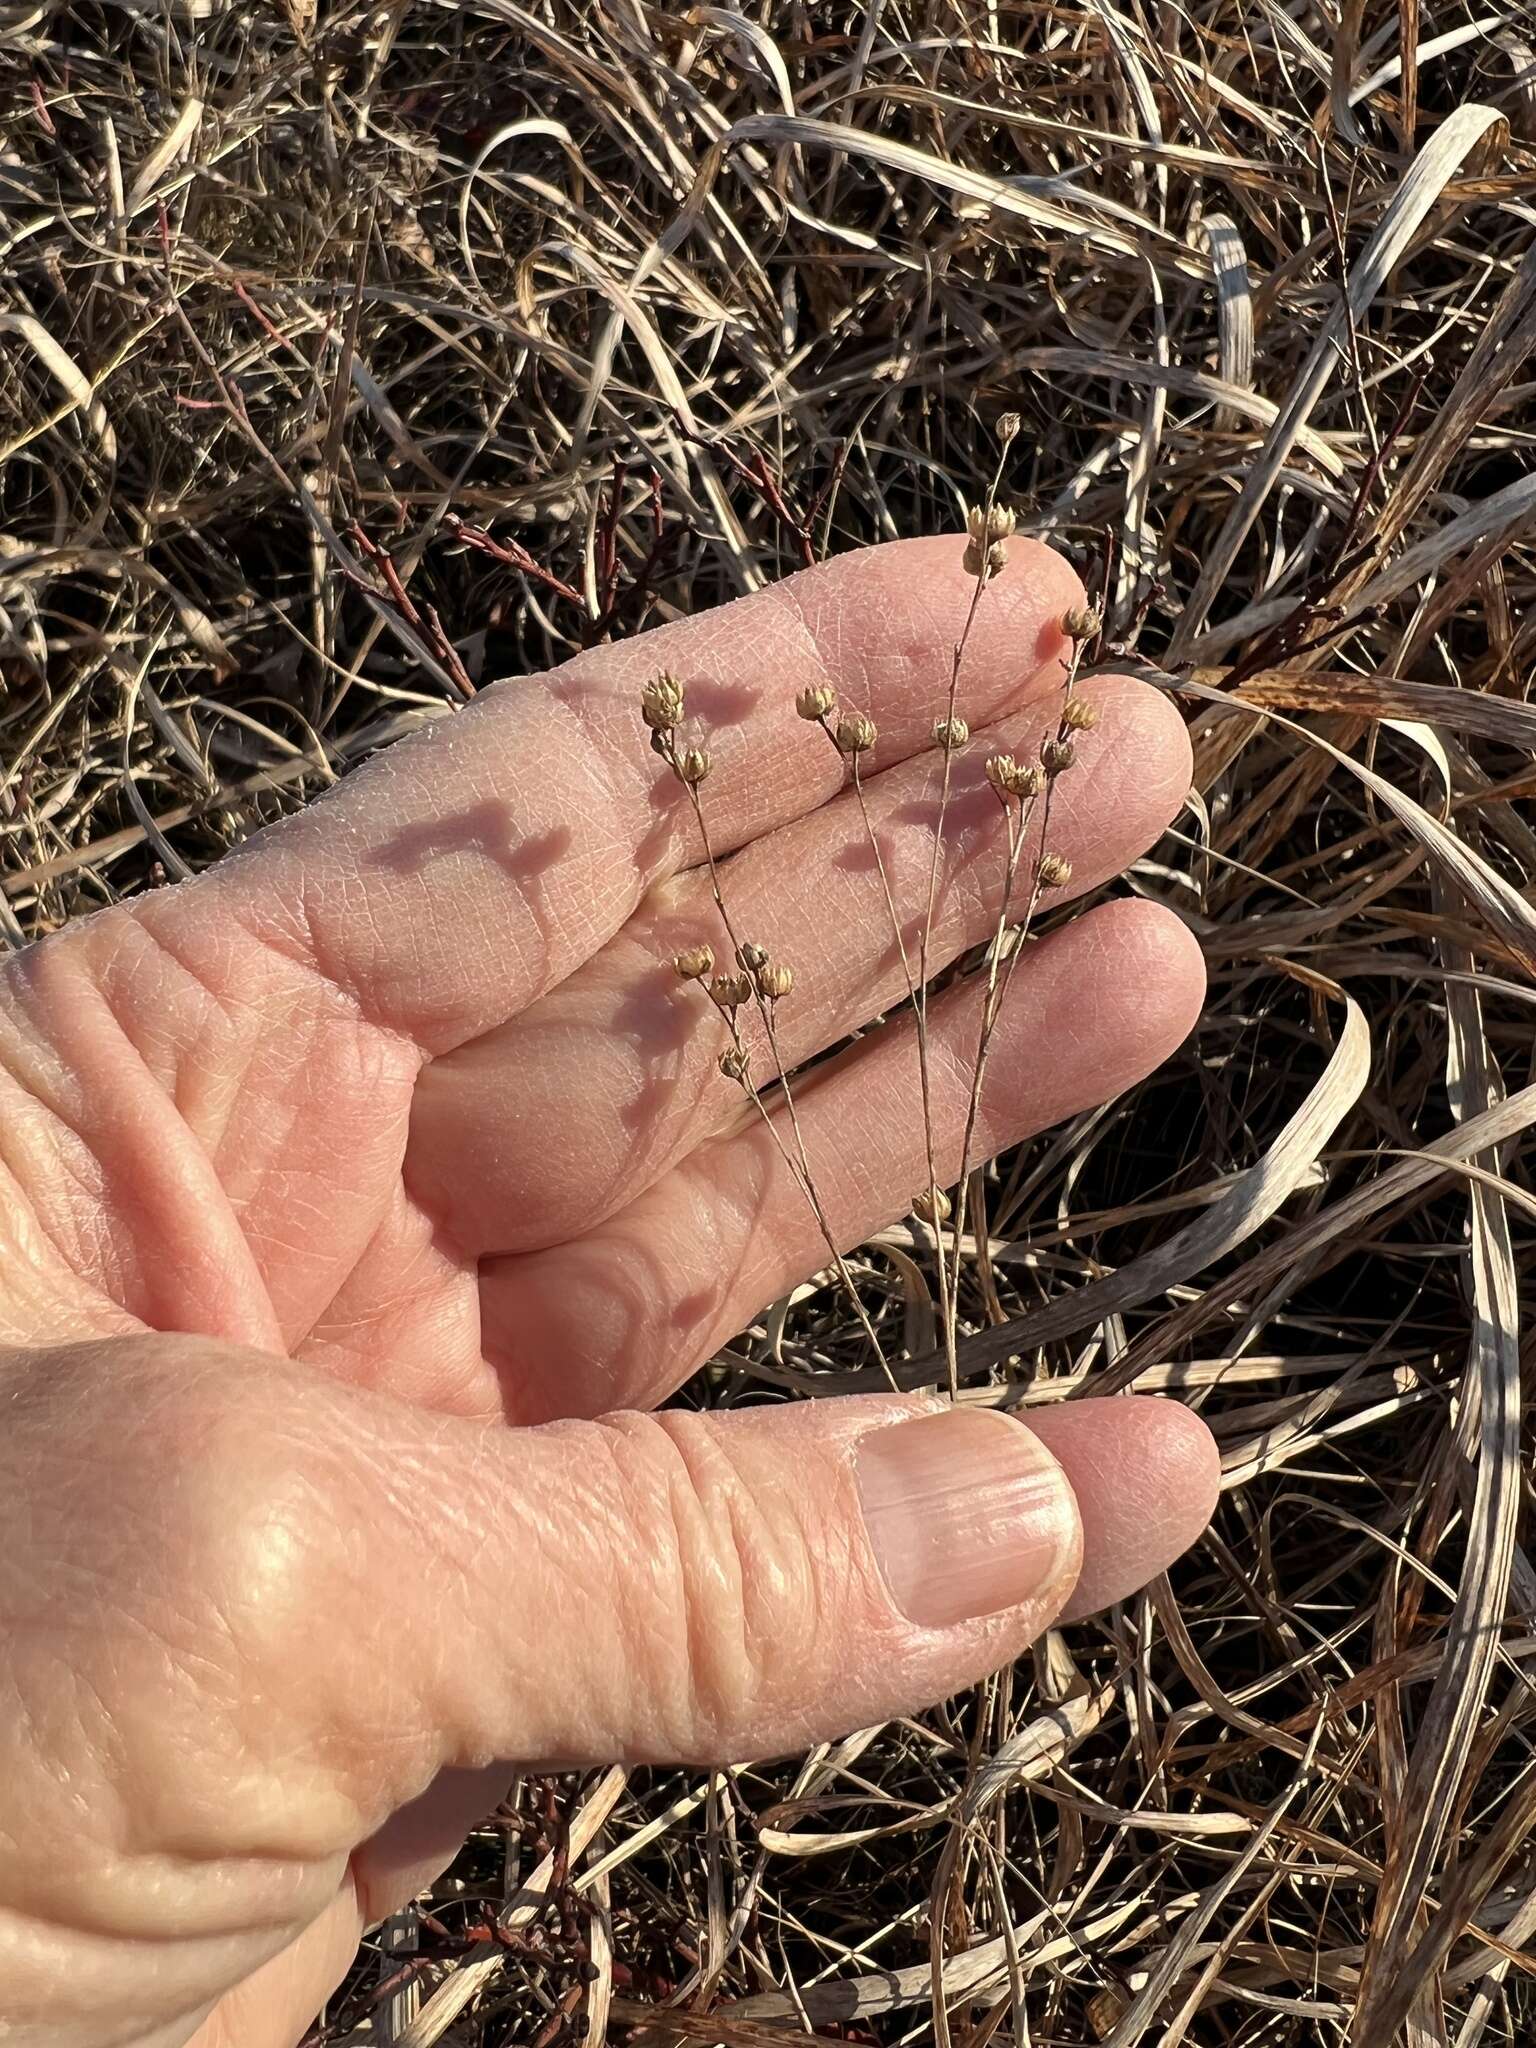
(912, 986)
(947, 1307)
(999, 981)
(799, 1162)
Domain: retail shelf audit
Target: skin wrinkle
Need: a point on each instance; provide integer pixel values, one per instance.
(108, 1089)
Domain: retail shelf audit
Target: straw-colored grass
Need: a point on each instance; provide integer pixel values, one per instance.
(588, 315)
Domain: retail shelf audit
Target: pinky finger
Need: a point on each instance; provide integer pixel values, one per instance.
(621, 1317)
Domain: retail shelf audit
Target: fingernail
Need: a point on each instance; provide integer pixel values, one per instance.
(967, 1514)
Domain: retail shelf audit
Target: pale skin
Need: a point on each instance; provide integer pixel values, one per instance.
(359, 1200)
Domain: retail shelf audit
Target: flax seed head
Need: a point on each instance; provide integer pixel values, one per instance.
(692, 765)
(990, 522)
(1001, 769)
(986, 547)
(856, 734)
(694, 963)
(661, 702)
(950, 733)
(730, 991)
(816, 702)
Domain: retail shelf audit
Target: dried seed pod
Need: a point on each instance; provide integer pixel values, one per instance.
(986, 549)
(661, 702)
(1053, 871)
(692, 765)
(730, 991)
(1057, 756)
(1008, 425)
(1081, 622)
(1079, 715)
(816, 701)
(990, 522)
(775, 980)
(734, 1063)
(924, 1209)
(950, 733)
(752, 957)
(985, 561)
(1001, 770)
(694, 963)
(856, 734)
(1027, 780)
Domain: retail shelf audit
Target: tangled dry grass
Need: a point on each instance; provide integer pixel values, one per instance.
(651, 300)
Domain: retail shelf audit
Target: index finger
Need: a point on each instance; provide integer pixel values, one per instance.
(470, 868)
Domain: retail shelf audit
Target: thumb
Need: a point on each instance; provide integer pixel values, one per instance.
(700, 1588)
(684, 1587)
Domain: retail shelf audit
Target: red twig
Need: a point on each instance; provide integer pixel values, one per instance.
(427, 624)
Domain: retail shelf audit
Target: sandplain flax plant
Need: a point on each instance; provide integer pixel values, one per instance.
(754, 982)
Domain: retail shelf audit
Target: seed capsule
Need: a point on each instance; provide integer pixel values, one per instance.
(695, 963)
(692, 765)
(730, 991)
(856, 734)
(990, 522)
(734, 1063)
(1057, 756)
(923, 1206)
(1082, 622)
(986, 549)
(950, 733)
(1054, 871)
(751, 957)
(775, 980)
(661, 702)
(1079, 715)
(1001, 769)
(816, 702)
(1008, 425)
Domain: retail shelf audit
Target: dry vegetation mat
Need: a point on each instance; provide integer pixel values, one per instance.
(352, 355)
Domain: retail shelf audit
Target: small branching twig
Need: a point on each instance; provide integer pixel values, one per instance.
(621, 599)
(422, 621)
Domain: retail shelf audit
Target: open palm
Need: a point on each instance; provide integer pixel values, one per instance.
(403, 1101)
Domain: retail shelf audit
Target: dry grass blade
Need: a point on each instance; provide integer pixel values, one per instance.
(1165, 1972)
(1230, 1220)
(1431, 171)
(1489, 1442)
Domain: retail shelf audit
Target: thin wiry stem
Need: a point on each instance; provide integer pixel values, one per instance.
(999, 977)
(800, 1162)
(996, 985)
(948, 1306)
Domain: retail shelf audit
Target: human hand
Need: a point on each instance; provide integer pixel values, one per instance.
(341, 1188)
